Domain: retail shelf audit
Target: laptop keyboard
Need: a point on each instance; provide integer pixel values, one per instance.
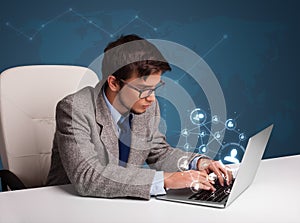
(219, 195)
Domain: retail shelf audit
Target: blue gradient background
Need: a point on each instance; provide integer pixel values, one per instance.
(257, 65)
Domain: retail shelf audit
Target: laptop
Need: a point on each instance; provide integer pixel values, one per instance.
(224, 196)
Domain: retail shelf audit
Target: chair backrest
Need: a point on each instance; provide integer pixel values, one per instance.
(28, 97)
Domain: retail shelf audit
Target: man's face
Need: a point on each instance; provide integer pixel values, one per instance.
(128, 96)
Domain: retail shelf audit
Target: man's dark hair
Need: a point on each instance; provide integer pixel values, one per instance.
(132, 54)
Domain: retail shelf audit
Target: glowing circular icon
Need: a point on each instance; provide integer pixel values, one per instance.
(202, 134)
(187, 146)
(203, 148)
(185, 132)
(217, 135)
(195, 186)
(198, 116)
(215, 119)
(183, 163)
(231, 153)
(242, 136)
(204, 163)
(230, 124)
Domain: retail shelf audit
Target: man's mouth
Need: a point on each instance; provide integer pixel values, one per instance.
(146, 106)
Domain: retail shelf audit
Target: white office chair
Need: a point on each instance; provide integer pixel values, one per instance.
(28, 97)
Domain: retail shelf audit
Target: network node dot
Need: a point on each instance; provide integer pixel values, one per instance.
(183, 163)
(203, 148)
(185, 132)
(111, 35)
(215, 119)
(202, 134)
(155, 29)
(217, 135)
(187, 146)
(136, 16)
(70, 9)
(230, 124)
(225, 36)
(242, 136)
(198, 116)
(204, 164)
(195, 186)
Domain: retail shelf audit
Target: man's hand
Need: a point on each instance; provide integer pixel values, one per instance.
(222, 172)
(192, 178)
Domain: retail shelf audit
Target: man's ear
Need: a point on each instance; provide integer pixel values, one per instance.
(113, 83)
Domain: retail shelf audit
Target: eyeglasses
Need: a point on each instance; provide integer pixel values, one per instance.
(144, 93)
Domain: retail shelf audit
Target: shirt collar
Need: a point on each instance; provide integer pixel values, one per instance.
(114, 113)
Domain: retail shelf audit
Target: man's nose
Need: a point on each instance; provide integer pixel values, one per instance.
(151, 97)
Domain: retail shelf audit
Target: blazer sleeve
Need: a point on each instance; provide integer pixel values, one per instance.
(85, 165)
(164, 157)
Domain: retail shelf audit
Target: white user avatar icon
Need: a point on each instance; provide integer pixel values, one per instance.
(232, 158)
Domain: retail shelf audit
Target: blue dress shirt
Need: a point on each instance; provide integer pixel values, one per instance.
(157, 187)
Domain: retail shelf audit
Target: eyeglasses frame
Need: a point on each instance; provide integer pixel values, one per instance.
(160, 84)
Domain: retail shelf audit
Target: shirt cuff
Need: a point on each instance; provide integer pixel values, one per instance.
(157, 187)
(193, 164)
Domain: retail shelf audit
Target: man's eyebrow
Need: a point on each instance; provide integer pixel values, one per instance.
(145, 86)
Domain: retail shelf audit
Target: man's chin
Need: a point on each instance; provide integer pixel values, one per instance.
(137, 112)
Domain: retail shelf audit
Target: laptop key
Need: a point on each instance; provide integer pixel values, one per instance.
(217, 196)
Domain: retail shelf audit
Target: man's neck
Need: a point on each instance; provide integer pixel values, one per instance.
(113, 100)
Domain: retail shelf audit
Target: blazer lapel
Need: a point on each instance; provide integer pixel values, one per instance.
(139, 142)
(108, 132)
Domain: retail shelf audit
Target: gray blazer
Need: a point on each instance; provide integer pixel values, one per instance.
(85, 149)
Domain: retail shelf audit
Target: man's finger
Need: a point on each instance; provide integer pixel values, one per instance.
(226, 173)
(205, 186)
(216, 169)
(230, 176)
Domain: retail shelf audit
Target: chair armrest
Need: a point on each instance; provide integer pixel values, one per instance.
(9, 179)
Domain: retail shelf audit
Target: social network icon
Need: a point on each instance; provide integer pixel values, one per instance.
(230, 124)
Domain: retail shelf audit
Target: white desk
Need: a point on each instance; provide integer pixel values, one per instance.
(261, 202)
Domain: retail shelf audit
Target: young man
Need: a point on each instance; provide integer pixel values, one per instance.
(104, 135)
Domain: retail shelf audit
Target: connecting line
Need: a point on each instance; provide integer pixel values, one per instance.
(148, 24)
(194, 133)
(70, 10)
(214, 46)
(201, 140)
(89, 21)
(209, 51)
(213, 137)
(236, 131)
(182, 76)
(123, 27)
(195, 128)
(135, 18)
(50, 21)
(17, 30)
